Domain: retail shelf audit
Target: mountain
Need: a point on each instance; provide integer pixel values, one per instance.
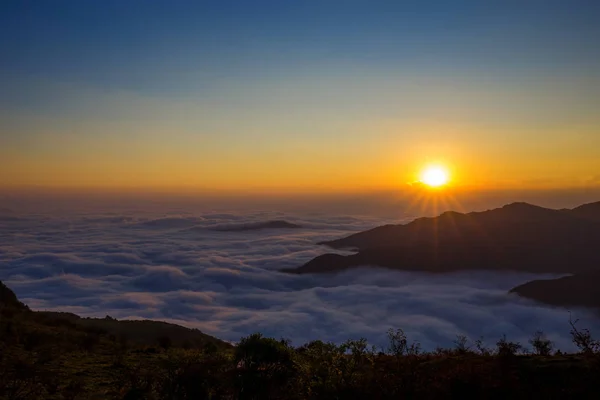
(579, 290)
(518, 237)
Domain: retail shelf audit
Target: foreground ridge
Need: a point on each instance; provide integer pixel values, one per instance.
(58, 356)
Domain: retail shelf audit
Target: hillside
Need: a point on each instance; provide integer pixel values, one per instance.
(58, 355)
(8, 298)
(517, 237)
(62, 356)
(139, 332)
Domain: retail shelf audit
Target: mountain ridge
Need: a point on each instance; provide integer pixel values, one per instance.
(516, 237)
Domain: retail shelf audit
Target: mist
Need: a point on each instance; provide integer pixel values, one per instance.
(177, 260)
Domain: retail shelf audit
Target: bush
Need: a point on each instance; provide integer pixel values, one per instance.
(460, 344)
(583, 339)
(481, 347)
(542, 346)
(265, 366)
(504, 348)
(398, 344)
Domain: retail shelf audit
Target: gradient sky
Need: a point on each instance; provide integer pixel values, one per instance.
(298, 95)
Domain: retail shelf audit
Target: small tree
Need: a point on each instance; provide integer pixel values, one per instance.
(481, 348)
(359, 355)
(508, 349)
(583, 339)
(460, 344)
(398, 344)
(542, 346)
(266, 366)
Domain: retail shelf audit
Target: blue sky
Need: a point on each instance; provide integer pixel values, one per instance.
(142, 45)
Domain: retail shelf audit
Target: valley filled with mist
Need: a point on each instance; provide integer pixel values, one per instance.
(219, 271)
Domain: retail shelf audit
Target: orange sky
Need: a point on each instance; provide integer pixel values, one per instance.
(268, 104)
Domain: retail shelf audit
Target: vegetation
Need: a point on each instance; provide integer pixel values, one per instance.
(61, 356)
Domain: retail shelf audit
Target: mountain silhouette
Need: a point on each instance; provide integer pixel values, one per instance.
(517, 237)
(511, 223)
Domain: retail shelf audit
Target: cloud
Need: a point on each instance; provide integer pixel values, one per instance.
(167, 223)
(166, 264)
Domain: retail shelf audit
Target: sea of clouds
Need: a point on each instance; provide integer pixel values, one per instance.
(194, 267)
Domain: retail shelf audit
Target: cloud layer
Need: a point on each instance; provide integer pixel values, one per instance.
(171, 264)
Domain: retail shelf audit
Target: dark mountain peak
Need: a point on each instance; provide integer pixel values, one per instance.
(521, 212)
(447, 217)
(451, 214)
(522, 206)
(524, 209)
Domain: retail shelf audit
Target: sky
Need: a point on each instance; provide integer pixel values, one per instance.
(307, 96)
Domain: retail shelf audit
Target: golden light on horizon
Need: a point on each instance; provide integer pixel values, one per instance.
(434, 176)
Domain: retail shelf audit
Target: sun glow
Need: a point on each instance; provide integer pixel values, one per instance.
(434, 176)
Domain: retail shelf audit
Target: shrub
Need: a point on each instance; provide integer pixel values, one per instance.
(481, 348)
(542, 346)
(460, 344)
(505, 348)
(265, 365)
(583, 339)
(397, 342)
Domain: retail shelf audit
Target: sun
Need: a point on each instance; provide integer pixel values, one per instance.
(434, 176)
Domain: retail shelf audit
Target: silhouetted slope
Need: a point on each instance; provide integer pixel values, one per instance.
(144, 332)
(581, 290)
(9, 299)
(590, 211)
(518, 236)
